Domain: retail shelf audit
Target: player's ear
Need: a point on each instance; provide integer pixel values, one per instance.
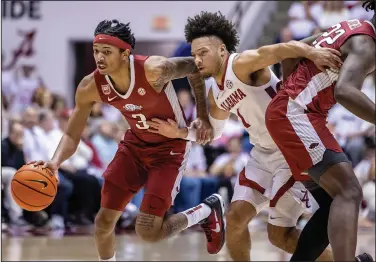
(222, 50)
(125, 54)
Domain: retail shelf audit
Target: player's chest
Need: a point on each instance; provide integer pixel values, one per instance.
(244, 97)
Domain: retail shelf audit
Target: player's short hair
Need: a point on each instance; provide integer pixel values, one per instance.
(369, 5)
(116, 29)
(212, 24)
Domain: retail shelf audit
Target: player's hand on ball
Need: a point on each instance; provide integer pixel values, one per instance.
(325, 58)
(167, 128)
(48, 165)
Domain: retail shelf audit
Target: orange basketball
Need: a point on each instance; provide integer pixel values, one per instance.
(33, 187)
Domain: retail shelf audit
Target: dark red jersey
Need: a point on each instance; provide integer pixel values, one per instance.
(313, 89)
(141, 102)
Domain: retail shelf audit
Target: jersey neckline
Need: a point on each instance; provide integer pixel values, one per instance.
(131, 85)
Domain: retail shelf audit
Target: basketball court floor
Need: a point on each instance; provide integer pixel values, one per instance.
(188, 246)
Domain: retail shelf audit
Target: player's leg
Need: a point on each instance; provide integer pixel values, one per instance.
(313, 241)
(245, 205)
(335, 174)
(122, 179)
(160, 191)
(286, 207)
(304, 140)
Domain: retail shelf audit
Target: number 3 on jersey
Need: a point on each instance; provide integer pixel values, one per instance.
(141, 121)
(325, 37)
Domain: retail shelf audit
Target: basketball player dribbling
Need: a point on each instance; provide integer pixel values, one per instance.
(243, 84)
(140, 87)
(296, 120)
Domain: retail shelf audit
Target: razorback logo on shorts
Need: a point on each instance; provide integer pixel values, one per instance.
(313, 145)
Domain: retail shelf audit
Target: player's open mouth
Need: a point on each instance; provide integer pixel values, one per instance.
(101, 66)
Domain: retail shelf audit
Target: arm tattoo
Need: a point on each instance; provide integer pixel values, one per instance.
(173, 68)
(179, 67)
(145, 221)
(199, 89)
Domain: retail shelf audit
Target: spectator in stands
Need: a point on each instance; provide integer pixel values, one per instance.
(303, 18)
(350, 130)
(365, 172)
(195, 185)
(12, 158)
(59, 105)
(105, 138)
(27, 81)
(187, 103)
(345, 126)
(86, 191)
(357, 11)
(228, 165)
(38, 142)
(333, 12)
(43, 98)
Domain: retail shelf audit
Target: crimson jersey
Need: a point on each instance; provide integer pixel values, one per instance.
(141, 102)
(313, 89)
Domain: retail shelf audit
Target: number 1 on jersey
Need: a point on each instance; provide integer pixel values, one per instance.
(141, 121)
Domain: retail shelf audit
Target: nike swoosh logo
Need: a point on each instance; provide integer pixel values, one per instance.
(172, 153)
(39, 181)
(110, 99)
(217, 227)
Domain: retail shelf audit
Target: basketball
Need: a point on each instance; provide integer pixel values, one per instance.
(33, 187)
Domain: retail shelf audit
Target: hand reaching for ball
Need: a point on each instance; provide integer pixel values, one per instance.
(48, 165)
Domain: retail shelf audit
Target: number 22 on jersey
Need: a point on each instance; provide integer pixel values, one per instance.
(325, 37)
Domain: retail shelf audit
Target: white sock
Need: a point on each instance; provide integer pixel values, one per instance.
(196, 214)
(110, 259)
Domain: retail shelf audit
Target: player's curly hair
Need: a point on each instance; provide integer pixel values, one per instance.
(212, 24)
(116, 29)
(369, 5)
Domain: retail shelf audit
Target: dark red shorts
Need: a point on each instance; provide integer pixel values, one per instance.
(301, 136)
(136, 164)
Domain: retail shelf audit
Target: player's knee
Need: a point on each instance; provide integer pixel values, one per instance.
(239, 215)
(148, 235)
(353, 192)
(147, 228)
(105, 221)
(278, 235)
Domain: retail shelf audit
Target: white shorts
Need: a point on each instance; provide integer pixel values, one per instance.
(267, 179)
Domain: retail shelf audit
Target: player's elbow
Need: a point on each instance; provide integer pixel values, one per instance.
(341, 92)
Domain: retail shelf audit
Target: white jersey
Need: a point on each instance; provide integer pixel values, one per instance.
(249, 103)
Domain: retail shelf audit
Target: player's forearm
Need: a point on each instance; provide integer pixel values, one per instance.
(198, 85)
(294, 49)
(66, 148)
(289, 64)
(356, 102)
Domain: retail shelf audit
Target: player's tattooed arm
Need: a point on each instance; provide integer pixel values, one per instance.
(359, 63)
(257, 59)
(160, 70)
(289, 64)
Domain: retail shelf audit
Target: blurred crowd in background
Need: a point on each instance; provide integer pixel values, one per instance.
(34, 119)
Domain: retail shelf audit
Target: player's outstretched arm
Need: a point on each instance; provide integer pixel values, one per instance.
(358, 64)
(289, 64)
(254, 60)
(77, 121)
(160, 70)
